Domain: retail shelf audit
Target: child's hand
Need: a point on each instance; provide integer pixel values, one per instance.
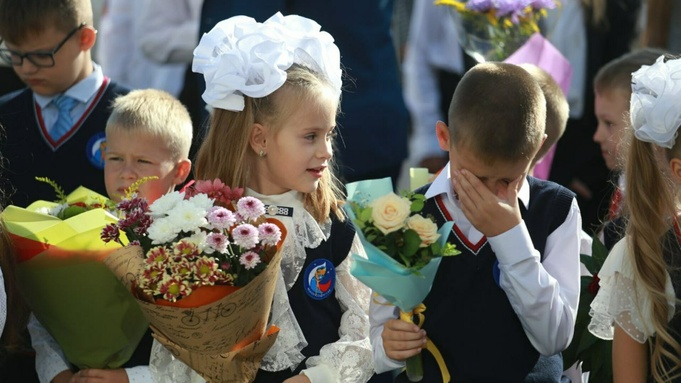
(63, 377)
(490, 214)
(93, 375)
(402, 340)
(298, 379)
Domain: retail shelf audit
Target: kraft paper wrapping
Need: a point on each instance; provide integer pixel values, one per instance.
(223, 341)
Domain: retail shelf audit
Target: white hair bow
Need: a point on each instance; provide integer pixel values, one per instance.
(655, 106)
(240, 56)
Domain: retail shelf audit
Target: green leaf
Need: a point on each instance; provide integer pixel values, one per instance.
(589, 262)
(61, 195)
(365, 214)
(450, 250)
(417, 206)
(598, 252)
(412, 242)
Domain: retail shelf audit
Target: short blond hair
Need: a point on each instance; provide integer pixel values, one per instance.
(557, 108)
(155, 113)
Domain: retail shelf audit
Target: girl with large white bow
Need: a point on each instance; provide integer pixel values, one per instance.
(274, 89)
(640, 282)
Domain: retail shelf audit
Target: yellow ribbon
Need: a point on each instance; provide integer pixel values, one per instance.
(430, 346)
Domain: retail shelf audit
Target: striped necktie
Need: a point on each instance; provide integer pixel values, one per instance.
(64, 121)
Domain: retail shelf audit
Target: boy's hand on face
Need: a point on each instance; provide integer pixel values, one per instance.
(402, 340)
(490, 214)
(93, 375)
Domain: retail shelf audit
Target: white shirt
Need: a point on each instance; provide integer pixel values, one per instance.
(170, 31)
(83, 91)
(121, 57)
(544, 295)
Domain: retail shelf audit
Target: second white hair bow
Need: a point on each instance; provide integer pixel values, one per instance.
(240, 56)
(655, 107)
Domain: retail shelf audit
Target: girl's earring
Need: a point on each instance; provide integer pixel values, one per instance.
(262, 153)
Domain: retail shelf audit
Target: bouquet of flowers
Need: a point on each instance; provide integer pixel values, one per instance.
(202, 267)
(404, 250)
(67, 287)
(490, 30)
(595, 354)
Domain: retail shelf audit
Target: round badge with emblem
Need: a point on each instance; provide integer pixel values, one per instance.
(320, 279)
(95, 148)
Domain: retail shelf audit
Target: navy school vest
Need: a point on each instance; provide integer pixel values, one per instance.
(319, 317)
(469, 317)
(28, 153)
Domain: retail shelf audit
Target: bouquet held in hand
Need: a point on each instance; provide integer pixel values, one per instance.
(202, 267)
(404, 250)
(78, 300)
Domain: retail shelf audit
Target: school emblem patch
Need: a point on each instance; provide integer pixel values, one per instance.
(320, 279)
(94, 150)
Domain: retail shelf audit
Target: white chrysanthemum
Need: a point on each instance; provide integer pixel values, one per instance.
(165, 203)
(199, 238)
(54, 211)
(202, 201)
(44, 210)
(187, 216)
(162, 230)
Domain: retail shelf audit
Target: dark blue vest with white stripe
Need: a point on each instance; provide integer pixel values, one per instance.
(318, 319)
(28, 154)
(469, 317)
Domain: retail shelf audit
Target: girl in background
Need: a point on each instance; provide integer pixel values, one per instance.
(636, 305)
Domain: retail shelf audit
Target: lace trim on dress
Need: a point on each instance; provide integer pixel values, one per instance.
(621, 301)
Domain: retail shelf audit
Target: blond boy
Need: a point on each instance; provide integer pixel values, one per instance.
(148, 134)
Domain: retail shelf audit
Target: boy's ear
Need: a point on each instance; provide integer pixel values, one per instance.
(182, 169)
(442, 132)
(258, 140)
(88, 36)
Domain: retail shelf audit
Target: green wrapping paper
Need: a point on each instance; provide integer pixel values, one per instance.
(92, 316)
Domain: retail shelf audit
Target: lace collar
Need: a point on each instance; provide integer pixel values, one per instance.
(303, 231)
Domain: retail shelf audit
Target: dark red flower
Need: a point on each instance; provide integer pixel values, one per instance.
(594, 286)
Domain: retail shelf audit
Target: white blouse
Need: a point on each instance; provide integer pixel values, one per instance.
(346, 360)
(623, 302)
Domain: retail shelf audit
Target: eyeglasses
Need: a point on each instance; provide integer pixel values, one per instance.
(41, 59)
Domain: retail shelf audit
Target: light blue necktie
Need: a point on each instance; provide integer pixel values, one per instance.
(64, 121)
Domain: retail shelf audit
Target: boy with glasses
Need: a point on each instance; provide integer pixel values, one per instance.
(54, 128)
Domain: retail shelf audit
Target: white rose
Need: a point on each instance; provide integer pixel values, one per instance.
(390, 212)
(425, 228)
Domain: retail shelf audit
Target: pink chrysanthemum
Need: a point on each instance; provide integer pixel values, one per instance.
(174, 288)
(269, 234)
(182, 269)
(221, 218)
(205, 270)
(216, 190)
(224, 278)
(110, 233)
(185, 250)
(245, 235)
(249, 259)
(157, 255)
(152, 274)
(250, 208)
(218, 241)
